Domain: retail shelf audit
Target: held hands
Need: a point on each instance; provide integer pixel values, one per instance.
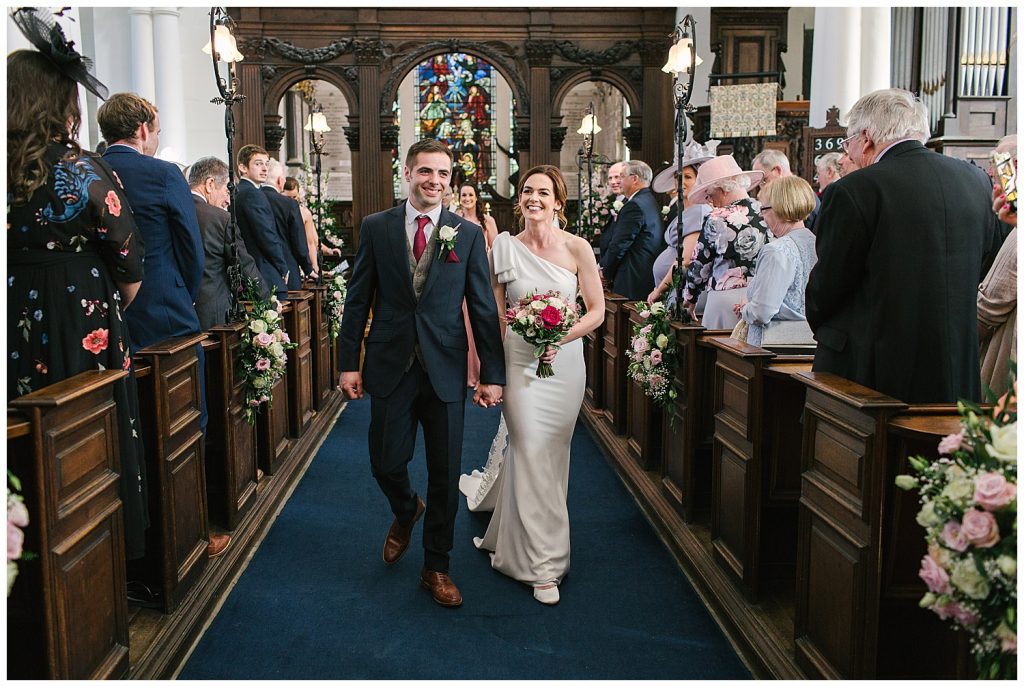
(351, 384)
(487, 395)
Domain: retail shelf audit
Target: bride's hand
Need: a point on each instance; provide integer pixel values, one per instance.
(549, 355)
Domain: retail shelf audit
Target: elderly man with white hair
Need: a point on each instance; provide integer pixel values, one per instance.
(900, 241)
(775, 165)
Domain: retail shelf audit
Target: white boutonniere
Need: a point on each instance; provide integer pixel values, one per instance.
(617, 205)
(446, 237)
(665, 210)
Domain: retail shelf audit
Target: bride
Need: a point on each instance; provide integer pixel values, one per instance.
(527, 476)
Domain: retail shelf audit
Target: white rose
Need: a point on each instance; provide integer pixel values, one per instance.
(617, 205)
(277, 349)
(662, 341)
(537, 305)
(523, 318)
(258, 327)
(959, 491)
(557, 303)
(966, 577)
(271, 316)
(1004, 443)
(926, 517)
(446, 233)
(1008, 564)
(657, 308)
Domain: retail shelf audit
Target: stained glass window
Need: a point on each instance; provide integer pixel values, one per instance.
(454, 97)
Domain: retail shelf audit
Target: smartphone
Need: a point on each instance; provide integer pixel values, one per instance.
(1006, 175)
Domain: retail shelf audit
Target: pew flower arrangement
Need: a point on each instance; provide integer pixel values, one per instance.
(263, 350)
(595, 212)
(651, 354)
(17, 520)
(334, 303)
(969, 513)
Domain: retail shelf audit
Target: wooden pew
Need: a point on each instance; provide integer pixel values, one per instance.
(643, 416)
(67, 615)
(616, 339)
(230, 440)
(323, 383)
(169, 410)
(272, 432)
(298, 324)
(859, 548)
(593, 354)
(756, 463)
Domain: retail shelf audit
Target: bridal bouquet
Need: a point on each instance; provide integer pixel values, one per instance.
(969, 513)
(263, 350)
(543, 320)
(652, 354)
(334, 303)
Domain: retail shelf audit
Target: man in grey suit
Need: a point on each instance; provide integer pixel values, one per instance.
(638, 236)
(208, 179)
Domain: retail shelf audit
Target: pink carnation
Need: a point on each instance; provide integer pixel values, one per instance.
(992, 491)
(951, 443)
(934, 576)
(263, 364)
(15, 539)
(263, 339)
(954, 537)
(656, 356)
(980, 528)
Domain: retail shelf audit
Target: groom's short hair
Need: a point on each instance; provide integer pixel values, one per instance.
(427, 145)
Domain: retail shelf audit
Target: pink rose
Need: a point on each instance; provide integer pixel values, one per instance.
(263, 364)
(954, 537)
(646, 329)
(640, 344)
(284, 336)
(980, 528)
(955, 610)
(951, 443)
(15, 539)
(934, 576)
(17, 514)
(655, 380)
(263, 339)
(992, 491)
(337, 295)
(656, 356)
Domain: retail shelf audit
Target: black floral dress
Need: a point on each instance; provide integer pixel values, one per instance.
(66, 248)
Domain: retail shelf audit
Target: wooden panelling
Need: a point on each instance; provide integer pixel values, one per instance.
(323, 383)
(616, 339)
(298, 324)
(67, 615)
(594, 357)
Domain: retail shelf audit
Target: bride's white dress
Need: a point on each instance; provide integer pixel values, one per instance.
(526, 478)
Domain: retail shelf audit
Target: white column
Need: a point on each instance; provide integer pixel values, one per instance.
(835, 66)
(875, 48)
(143, 75)
(170, 93)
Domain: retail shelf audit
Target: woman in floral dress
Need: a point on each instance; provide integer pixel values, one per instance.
(74, 260)
(730, 241)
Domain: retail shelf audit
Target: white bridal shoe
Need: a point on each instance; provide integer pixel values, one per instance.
(546, 595)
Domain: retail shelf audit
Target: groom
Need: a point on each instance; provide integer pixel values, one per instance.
(415, 271)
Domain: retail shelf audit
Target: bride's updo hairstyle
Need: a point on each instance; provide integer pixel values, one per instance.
(557, 183)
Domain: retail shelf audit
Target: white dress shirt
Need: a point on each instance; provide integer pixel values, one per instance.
(411, 225)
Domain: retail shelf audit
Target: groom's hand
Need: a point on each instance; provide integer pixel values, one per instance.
(351, 384)
(487, 395)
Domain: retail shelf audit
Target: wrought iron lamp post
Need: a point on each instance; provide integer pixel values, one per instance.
(588, 129)
(316, 125)
(682, 59)
(222, 48)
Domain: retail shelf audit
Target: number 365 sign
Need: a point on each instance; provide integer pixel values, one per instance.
(818, 142)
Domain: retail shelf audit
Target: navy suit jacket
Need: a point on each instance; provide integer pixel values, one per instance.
(638, 238)
(292, 235)
(259, 232)
(165, 213)
(381, 278)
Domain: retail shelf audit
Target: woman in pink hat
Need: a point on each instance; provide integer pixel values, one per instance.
(729, 243)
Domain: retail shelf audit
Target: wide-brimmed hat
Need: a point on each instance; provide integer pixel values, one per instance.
(693, 154)
(43, 32)
(717, 169)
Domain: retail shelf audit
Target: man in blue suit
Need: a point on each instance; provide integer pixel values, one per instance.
(162, 204)
(638, 236)
(256, 220)
(290, 229)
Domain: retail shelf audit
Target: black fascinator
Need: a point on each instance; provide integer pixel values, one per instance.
(45, 34)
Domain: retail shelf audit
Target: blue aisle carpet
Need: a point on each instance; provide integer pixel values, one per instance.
(317, 602)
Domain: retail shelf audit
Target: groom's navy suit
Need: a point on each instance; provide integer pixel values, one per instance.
(415, 363)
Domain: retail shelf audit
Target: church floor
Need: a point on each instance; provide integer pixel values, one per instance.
(316, 601)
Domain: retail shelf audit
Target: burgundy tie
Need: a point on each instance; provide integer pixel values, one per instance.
(419, 242)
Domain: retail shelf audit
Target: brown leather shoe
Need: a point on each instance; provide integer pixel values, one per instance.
(397, 541)
(218, 544)
(441, 587)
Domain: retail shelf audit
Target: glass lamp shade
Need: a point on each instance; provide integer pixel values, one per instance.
(589, 126)
(317, 123)
(679, 57)
(227, 49)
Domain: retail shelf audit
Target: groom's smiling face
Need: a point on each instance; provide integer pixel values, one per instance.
(428, 178)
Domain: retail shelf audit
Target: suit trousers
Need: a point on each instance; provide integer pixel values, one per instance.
(393, 422)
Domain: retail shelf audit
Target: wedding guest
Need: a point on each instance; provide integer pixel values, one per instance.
(208, 180)
(74, 252)
(773, 311)
(1007, 144)
(846, 164)
(615, 186)
(293, 190)
(162, 203)
(827, 170)
(469, 207)
(997, 298)
(900, 247)
(290, 230)
(775, 165)
(639, 236)
(256, 220)
(693, 216)
(730, 241)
